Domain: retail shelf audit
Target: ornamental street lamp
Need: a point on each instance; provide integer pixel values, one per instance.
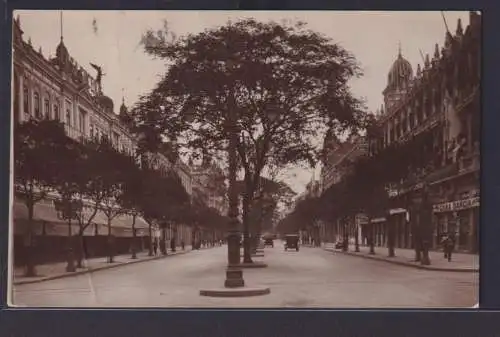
(234, 274)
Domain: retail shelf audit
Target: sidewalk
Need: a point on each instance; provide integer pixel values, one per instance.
(460, 262)
(58, 270)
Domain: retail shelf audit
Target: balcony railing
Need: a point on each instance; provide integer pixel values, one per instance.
(465, 97)
(469, 163)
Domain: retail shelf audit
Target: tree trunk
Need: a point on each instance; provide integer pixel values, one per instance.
(356, 239)
(30, 251)
(247, 258)
(372, 238)
(174, 238)
(134, 238)
(345, 245)
(390, 236)
(426, 233)
(70, 253)
(80, 248)
(110, 244)
(150, 253)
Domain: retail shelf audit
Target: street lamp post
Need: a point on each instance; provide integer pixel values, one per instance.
(234, 274)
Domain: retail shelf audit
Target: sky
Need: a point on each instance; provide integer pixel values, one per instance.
(111, 40)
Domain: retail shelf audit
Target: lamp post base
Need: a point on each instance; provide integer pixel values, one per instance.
(234, 278)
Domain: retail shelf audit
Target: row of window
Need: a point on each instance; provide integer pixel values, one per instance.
(46, 112)
(38, 107)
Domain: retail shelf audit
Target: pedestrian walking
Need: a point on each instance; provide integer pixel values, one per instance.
(448, 246)
(155, 248)
(172, 244)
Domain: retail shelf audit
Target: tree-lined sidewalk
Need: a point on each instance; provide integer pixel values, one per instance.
(461, 262)
(51, 271)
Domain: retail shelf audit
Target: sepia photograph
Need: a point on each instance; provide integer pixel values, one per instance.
(245, 159)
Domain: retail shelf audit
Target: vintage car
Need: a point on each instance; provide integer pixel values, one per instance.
(292, 242)
(268, 242)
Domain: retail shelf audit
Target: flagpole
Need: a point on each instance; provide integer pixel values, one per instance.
(61, 23)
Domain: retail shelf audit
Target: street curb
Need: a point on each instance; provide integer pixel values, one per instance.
(91, 270)
(407, 264)
(254, 264)
(235, 292)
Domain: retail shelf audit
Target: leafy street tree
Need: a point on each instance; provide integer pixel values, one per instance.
(37, 146)
(68, 204)
(131, 194)
(111, 179)
(283, 84)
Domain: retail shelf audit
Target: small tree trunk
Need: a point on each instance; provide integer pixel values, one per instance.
(110, 244)
(356, 239)
(134, 238)
(80, 248)
(150, 253)
(390, 236)
(247, 258)
(372, 238)
(30, 252)
(345, 246)
(426, 261)
(70, 267)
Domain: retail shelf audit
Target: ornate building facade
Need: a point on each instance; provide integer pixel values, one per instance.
(58, 88)
(438, 110)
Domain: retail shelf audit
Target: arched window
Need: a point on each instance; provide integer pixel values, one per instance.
(26, 100)
(38, 112)
(47, 108)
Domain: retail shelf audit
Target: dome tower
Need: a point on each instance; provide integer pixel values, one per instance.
(398, 80)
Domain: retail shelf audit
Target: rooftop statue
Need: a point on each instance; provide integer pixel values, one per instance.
(100, 74)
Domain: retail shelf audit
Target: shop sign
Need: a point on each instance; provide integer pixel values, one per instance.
(456, 205)
(361, 219)
(470, 194)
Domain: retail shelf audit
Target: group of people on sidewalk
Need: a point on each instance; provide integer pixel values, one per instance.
(161, 245)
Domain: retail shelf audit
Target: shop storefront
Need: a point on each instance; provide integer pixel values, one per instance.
(460, 218)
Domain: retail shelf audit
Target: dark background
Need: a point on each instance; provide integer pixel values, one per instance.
(194, 323)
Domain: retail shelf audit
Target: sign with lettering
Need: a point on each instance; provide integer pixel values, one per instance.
(457, 205)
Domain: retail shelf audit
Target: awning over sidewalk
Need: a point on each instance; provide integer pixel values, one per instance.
(43, 210)
(46, 221)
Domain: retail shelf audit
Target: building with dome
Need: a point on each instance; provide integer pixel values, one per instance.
(437, 110)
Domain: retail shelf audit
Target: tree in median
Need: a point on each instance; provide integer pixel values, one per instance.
(283, 84)
(38, 146)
